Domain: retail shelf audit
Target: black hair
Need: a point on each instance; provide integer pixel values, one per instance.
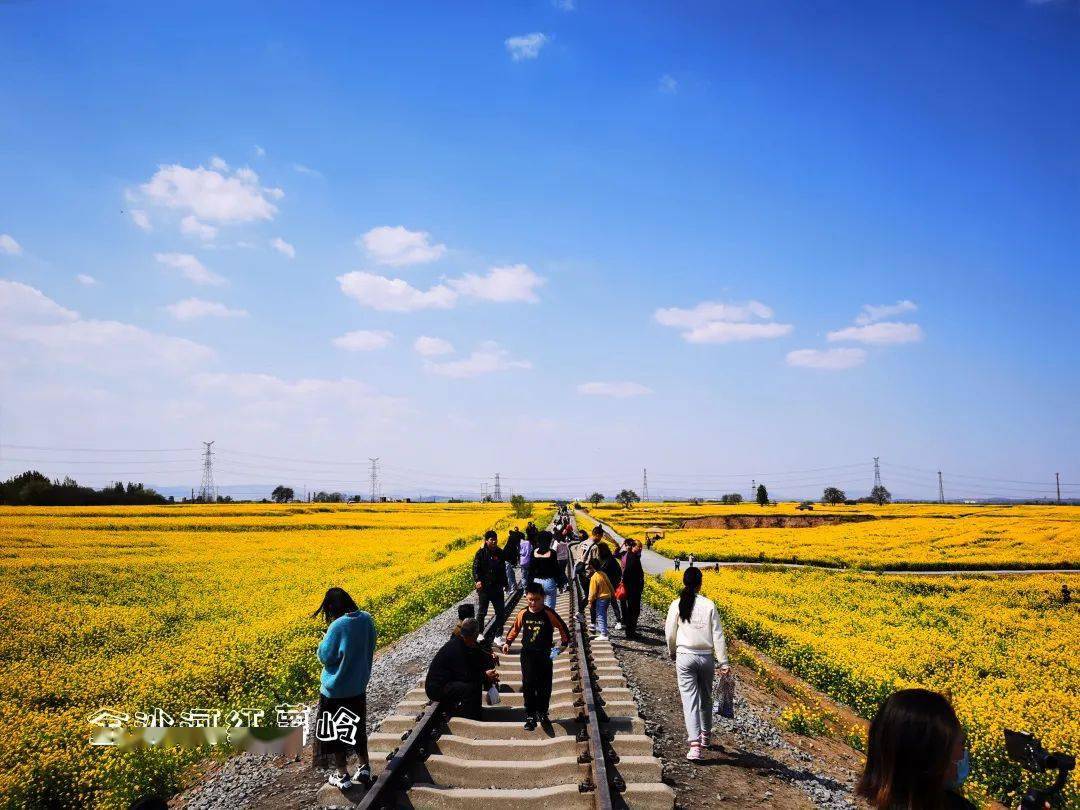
(909, 751)
(598, 530)
(535, 587)
(584, 535)
(491, 534)
(543, 542)
(691, 581)
(603, 551)
(335, 604)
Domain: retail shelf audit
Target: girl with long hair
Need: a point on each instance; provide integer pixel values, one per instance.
(695, 641)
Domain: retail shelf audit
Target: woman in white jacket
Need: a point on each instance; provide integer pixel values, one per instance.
(694, 639)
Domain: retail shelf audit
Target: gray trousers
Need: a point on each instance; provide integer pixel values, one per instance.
(696, 673)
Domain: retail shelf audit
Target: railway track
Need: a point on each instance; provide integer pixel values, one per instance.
(594, 755)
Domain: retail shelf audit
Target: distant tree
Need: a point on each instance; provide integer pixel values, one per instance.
(31, 488)
(627, 498)
(595, 498)
(522, 508)
(762, 495)
(880, 495)
(282, 494)
(833, 495)
(731, 498)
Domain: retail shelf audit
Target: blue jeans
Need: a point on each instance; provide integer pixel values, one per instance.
(601, 616)
(550, 589)
(511, 580)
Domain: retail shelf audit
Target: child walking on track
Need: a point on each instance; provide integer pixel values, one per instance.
(600, 596)
(536, 625)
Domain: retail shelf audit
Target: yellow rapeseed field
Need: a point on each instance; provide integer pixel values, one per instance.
(895, 536)
(187, 607)
(1007, 649)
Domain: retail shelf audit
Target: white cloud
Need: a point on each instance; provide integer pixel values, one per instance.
(59, 335)
(258, 151)
(513, 283)
(219, 163)
(300, 168)
(724, 332)
(432, 346)
(619, 390)
(872, 314)
(211, 195)
(880, 333)
(363, 341)
(563, 5)
(283, 247)
(394, 294)
(85, 280)
(488, 358)
(190, 226)
(526, 46)
(191, 267)
(398, 246)
(668, 84)
(828, 359)
(141, 219)
(720, 322)
(8, 245)
(191, 308)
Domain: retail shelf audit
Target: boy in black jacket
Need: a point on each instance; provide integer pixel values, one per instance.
(460, 671)
(536, 625)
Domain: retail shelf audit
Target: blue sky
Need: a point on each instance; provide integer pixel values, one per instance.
(710, 239)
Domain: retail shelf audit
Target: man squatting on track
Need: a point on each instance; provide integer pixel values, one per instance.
(536, 625)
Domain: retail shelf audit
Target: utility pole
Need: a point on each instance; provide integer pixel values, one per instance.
(483, 492)
(374, 477)
(753, 489)
(877, 472)
(644, 484)
(1057, 480)
(498, 489)
(940, 488)
(207, 491)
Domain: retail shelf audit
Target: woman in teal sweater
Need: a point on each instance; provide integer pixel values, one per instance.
(346, 653)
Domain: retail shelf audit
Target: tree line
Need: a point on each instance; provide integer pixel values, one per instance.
(32, 488)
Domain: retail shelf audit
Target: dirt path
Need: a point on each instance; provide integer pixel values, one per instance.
(756, 764)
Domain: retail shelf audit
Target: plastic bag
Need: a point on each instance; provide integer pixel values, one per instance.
(555, 651)
(493, 698)
(725, 704)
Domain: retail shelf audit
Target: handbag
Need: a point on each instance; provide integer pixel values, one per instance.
(620, 591)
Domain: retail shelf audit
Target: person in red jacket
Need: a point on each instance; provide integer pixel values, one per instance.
(536, 625)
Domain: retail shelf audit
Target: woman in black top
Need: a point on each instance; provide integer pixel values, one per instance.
(545, 567)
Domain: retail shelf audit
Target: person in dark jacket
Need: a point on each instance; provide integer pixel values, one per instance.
(512, 549)
(916, 755)
(633, 579)
(489, 575)
(609, 564)
(460, 672)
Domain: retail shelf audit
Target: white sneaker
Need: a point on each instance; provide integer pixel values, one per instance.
(601, 637)
(618, 625)
(694, 753)
(339, 780)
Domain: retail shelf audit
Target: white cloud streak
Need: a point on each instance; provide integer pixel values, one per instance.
(283, 247)
(721, 322)
(488, 358)
(85, 280)
(882, 333)
(827, 359)
(502, 284)
(191, 309)
(432, 346)
(618, 390)
(526, 46)
(397, 246)
(363, 340)
(871, 313)
(192, 269)
(8, 245)
(212, 194)
(190, 226)
(141, 219)
(394, 294)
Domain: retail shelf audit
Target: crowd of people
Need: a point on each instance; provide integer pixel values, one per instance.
(916, 755)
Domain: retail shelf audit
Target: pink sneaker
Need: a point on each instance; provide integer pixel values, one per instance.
(705, 739)
(695, 751)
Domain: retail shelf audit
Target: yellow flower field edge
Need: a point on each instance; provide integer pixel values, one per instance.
(207, 608)
(912, 537)
(1006, 649)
